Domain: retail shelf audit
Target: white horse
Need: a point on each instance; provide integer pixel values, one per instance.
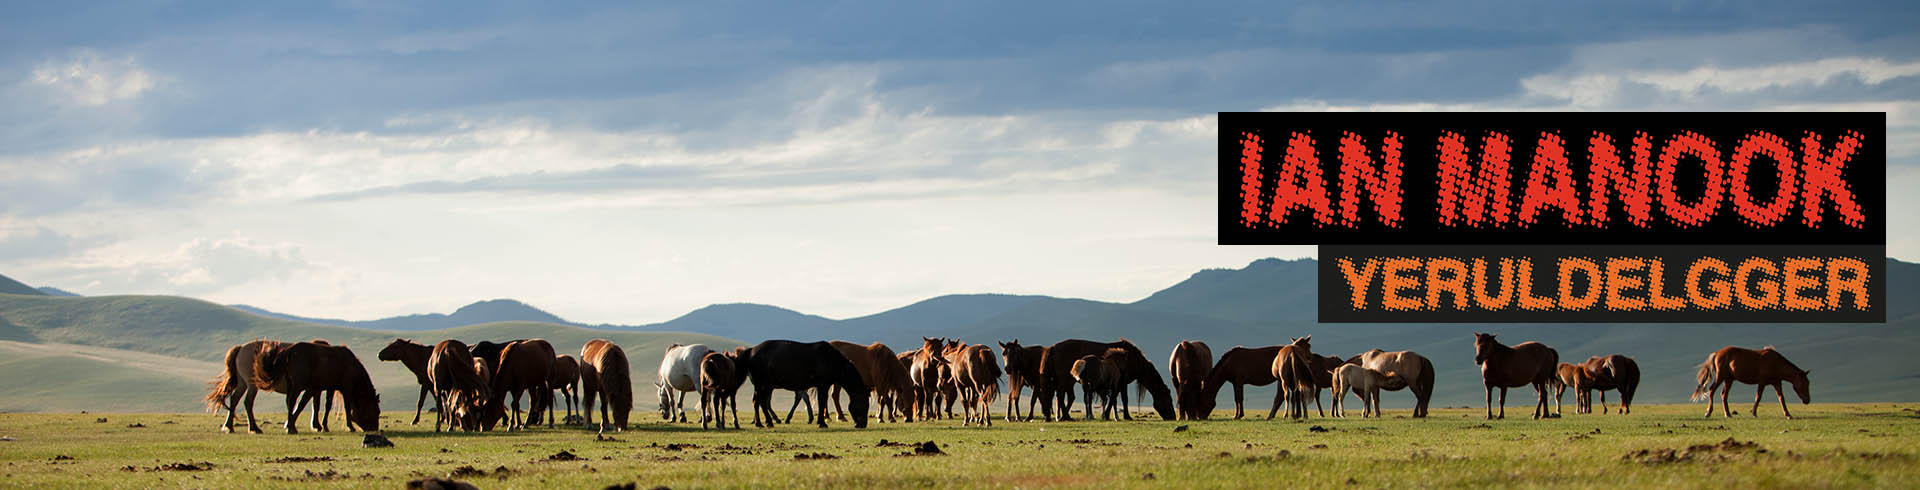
(1363, 382)
(679, 375)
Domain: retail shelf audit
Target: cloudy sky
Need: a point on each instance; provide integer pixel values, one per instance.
(626, 163)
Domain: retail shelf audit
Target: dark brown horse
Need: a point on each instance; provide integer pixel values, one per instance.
(1023, 369)
(925, 370)
(1099, 378)
(1415, 371)
(1764, 367)
(236, 381)
(603, 372)
(806, 368)
(720, 380)
(307, 369)
(1240, 367)
(525, 366)
(1503, 367)
(566, 378)
(1056, 381)
(1323, 367)
(1294, 368)
(1190, 363)
(1612, 372)
(883, 372)
(458, 387)
(414, 356)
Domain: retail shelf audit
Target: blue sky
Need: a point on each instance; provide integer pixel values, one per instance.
(624, 162)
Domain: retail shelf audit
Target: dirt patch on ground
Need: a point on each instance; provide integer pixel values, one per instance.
(563, 456)
(200, 466)
(813, 456)
(1721, 451)
(301, 459)
(928, 448)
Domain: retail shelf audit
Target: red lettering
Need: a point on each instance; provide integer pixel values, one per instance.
(1357, 172)
(1468, 197)
(1550, 163)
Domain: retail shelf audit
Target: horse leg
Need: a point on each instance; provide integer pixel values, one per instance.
(1489, 402)
(1726, 391)
(296, 401)
(1715, 386)
(1277, 397)
(1603, 403)
(1124, 403)
(1239, 397)
(421, 403)
(1783, 400)
(1503, 403)
(1758, 391)
(232, 402)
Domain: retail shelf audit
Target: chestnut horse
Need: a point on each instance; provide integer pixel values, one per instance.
(1239, 366)
(1415, 371)
(976, 376)
(925, 370)
(566, 378)
(307, 369)
(525, 366)
(1764, 367)
(1323, 367)
(805, 367)
(458, 388)
(236, 381)
(1569, 375)
(884, 373)
(414, 356)
(1023, 369)
(1613, 372)
(1294, 367)
(1503, 367)
(1191, 363)
(720, 380)
(1056, 382)
(603, 372)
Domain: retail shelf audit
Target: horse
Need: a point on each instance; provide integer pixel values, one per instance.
(490, 350)
(976, 375)
(457, 386)
(236, 381)
(323, 411)
(882, 371)
(1362, 382)
(1323, 367)
(924, 371)
(1764, 367)
(1190, 363)
(1099, 378)
(1294, 367)
(1569, 375)
(1415, 371)
(525, 365)
(1239, 366)
(1503, 367)
(414, 357)
(605, 364)
(720, 380)
(566, 378)
(1055, 381)
(1612, 372)
(1023, 368)
(679, 375)
(816, 366)
(307, 369)
(489, 413)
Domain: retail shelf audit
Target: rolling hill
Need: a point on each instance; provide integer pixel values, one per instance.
(489, 311)
(10, 286)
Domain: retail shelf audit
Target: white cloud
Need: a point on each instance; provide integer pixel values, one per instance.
(89, 79)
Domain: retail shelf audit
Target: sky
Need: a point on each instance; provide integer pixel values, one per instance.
(625, 163)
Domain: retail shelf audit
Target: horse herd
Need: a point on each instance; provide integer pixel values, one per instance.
(479, 387)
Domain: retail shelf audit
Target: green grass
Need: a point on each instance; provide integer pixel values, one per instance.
(1829, 446)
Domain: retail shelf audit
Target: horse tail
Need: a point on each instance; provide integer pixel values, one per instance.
(1709, 371)
(269, 364)
(223, 384)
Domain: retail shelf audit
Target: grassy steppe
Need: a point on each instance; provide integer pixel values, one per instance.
(1829, 446)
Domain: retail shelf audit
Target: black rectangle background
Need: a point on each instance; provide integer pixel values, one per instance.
(1336, 303)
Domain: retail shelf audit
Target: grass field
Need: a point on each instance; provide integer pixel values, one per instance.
(1829, 446)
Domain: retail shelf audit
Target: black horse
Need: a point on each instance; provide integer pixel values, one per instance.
(817, 366)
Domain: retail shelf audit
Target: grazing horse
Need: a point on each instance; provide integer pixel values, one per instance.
(458, 388)
(1503, 367)
(1415, 371)
(1294, 367)
(1613, 372)
(1570, 375)
(525, 366)
(1056, 382)
(1764, 367)
(803, 367)
(1191, 363)
(1023, 369)
(307, 369)
(720, 380)
(603, 371)
(489, 413)
(679, 375)
(566, 378)
(1239, 366)
(414, 356)
(1362, 382)
(883, 372)
(1099, 377)
(976, 376)
(236, 381)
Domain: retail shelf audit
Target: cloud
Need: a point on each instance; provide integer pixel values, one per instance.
(198, 266)
(87, 78)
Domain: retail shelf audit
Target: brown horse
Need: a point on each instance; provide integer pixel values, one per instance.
(1612, 372)
(804, 367)
(1569, 375)
(236, 381)
(458, 387)
(525, 366)
(414, 356)
(1293, 367)
(1191, 363)
(925, 372)
(1099, 377)
(1323, 367)
(1239, 366)
(720, 380)
(307, 369)
(566, 378)
(976, 375)
(1056, 382)
(1414, 370)
(1764, 367)
(1023, 369)
(603, 372)
(1503, 367)
(883, 372)
(489, 413)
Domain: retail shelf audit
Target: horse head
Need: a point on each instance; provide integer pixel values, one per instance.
(394, 349)
(1483, 344)
(1801, 387)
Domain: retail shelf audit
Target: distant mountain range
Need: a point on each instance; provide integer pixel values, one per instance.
(10, 286)
(489, 311)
